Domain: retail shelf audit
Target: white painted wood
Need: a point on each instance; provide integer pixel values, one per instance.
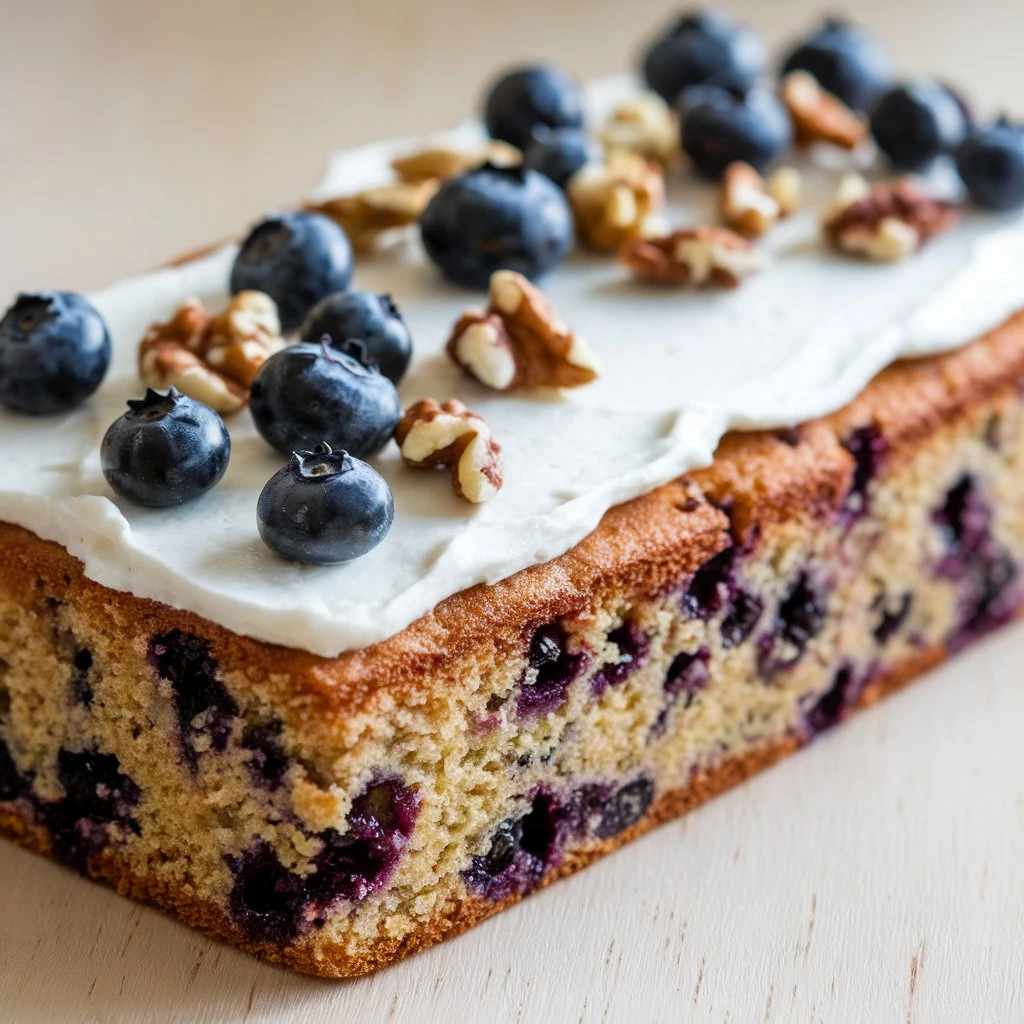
(874, 877)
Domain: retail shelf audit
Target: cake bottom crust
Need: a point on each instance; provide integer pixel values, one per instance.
(463, 914)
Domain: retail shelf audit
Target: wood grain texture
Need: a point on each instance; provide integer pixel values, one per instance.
(872, 878)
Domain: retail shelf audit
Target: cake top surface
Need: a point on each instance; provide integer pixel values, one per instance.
(677, 370)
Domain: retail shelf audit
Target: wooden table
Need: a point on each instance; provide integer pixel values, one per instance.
(875, 877)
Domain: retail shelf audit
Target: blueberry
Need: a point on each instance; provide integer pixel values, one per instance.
(915, 123)
(269, 761)
(505, 843)
(372, 319)
(835, 703)
(496, 218)
(166, 450)
(54, 353)
(847, 61)
(308, 393)
(633, 646)
(295, 258)
(558, 153)
(710, 586)
(802, 613)
(324, 507)
(704, 47)
(719, 127)
(991, 162)
(531, 96)
(741, 619)
(12, 782)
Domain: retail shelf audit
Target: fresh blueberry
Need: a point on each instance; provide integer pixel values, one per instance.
(704, 47)
(54, 352)
(531, 96)
(847, 62)
(719, 127)
(558, 153)
(324, 507)
(295, 258)
(915, 123)
(308, 393)
(991, 162)
(165, 450)
(372, 319)
(496, 218)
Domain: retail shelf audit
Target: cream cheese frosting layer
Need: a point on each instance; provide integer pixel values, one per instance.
(678, 369)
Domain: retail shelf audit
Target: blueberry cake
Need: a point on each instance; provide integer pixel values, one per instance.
(743, 460)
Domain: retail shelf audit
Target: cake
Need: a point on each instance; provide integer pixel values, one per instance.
(772, 506)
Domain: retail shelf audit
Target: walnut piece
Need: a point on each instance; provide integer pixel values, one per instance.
(886, 222)
(612, 200)
(746, 205)
(213, 359)
(439, 163)
(519, 340)
(367, 215)
(818, 116)
(450, 435)
(693, 256)
(645, 125)
(786, 187)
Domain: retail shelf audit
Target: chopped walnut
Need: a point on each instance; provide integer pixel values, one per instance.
(367, 215)
(818, 116)
(693, 256)
(645, 125)
(786, 187)
(519, 340)
(213, 359)
(440, 163)
(450, 435)
(887, 222)
(612, 200)
(745, 203)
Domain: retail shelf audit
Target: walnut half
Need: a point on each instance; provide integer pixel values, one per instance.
(645, 125)
(443, 162)
(213, 359)
(818, 116)
(519, 340)
(430, 435)
(885, 222)
(613, 199)
(705, 256)
(366, 216)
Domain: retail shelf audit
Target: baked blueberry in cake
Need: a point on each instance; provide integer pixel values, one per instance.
(347, 600)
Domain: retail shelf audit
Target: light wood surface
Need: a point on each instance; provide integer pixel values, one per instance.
(875, 877)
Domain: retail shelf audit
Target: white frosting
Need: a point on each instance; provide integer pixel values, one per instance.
(679, 368)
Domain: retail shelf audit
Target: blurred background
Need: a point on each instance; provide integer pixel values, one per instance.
(135, 131)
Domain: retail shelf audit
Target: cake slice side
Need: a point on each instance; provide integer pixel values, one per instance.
(337, 814)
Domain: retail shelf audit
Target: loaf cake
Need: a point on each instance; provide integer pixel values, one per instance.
(772, 506)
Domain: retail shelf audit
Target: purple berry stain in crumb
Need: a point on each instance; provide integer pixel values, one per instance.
(983, 569)
(891, 618)
(711, 585)
(801, 615)
(633, 646)
(272, 904)
(742, 618)
(97, 795)
(268, 762)
(687, 675)
(834, 704)
(204, 706)
(521, 851)
(867, 446)
(555, 668)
